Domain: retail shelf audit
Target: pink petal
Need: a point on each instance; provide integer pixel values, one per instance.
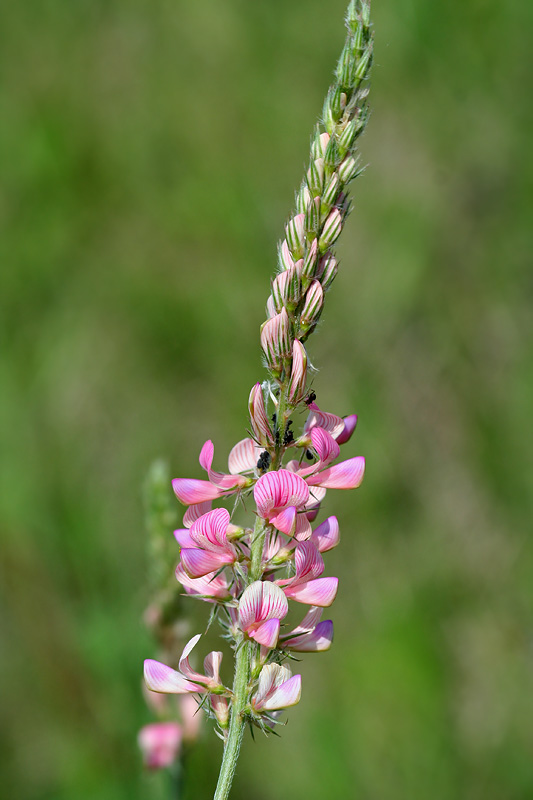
(261, 601)
(285, 521)
(310, 621)
(303, 527)
(160, 743)
(209, 530)
(191, 490)
(320, 592)
(326, 536)
(346, 475)
(349, 426)
(315, 641)
(278, 490)
(197, 562)
(329, 422)
(308, 562)
(258, 417)
(160, 678)
(212, 663)
(195, 511)
(285, 696)
(184, 665)
(206, 455)
(243, 457)
(270, 677)
(267, 633)
(207, 586)
(183, 538)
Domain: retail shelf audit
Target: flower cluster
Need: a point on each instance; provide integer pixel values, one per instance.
(251, 599)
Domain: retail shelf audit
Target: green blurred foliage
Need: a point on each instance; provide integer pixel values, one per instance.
(150, 150)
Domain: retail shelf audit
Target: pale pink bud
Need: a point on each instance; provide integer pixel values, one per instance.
(258, 417)
(331, 191)
(286, 288)
(314, 300)
(303, 198)
(319, 146)
(285, 257)
(220, 708)
(298, 379)
(309, 263)
(276, 689)
(315, 176)
(327, 271)
(270, 308)
(276, 339)
(295, 234)
(348, 169)
(160, 744)
(331, 230)
(349, 426)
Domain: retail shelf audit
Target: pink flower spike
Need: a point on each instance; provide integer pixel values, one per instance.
(160, 744)
(326, 536)
(160, 678)
(349, 426)
(276, 689)
(276, 491)
(346, 475)
(211, 587)
(243, 456)
(258, 417)
(298, 379)
(260, 602)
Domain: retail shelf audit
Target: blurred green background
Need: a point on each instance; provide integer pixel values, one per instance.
(150, 150)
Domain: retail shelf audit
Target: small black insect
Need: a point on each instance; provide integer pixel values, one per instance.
(311, 397)
(309, 456)
(264, 461)
(289, 437)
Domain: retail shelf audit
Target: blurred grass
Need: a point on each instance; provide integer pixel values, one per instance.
(150, 151)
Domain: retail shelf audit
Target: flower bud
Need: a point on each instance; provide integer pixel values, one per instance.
(286, 289)
(220, 709)
(284, 256)
(276, 339)
(295, 233)
(303, 198)
(309, 263)
(331, 191)
(348, 135)
(314, 300)
(312, 215)
(315, 176)
(348, 169)
(298, 379)
(327, 271)
(331, 230)
(258, 417)
(270, 308)
(320, 142)
(160, 744)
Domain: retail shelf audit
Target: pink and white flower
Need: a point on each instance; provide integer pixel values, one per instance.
(205, 547)
(191, 491)
(311, 635)
(160, 678)
(307, 586)
(210, 587)
(279, 496)
(276, 689)
(261, 607)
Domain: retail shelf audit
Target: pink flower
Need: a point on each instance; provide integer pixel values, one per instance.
(276, 689)
(160, 744)
(306, 586)
(211, 587)
(261, 608)
(191, 491)
(205, 548)
(278, 496)
(160, 678)
(311, 635)
(346, 475)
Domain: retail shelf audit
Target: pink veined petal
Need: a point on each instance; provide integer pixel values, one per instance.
(207, 586)
(349, 426)
(308, 562)
(183, 538)
(195, 511)
(285, 521)
(329, 422)
(160, 678)
(284, 696)
(303, 527)
(293, 465)
(267, 633)
(261, 601)
(346, 475)
(326, 536)
(184, 664)
(258, 417)
(310, 621)
(209, 530)
(197, 562)
(207, 454)
(326, 447)
(190, 491)
(243, 457)
(270, 677)
(212, 663)
(275, 491)
(320, 592)
(226, 482)
(316, 640)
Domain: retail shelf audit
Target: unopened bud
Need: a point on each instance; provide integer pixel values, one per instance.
(312, 215)
(295, 233)
(320, 142)
(315, 176)
(298, 379)
(220, 709)
(348, 135)
(309, 263)
(276, 339)
(270, 308)
(332, 155)
(331, 191)
(364, 63)
(331, 230)
(327, 271)
(314, 300)
(286, 289)
(284, 256)
(258, 418)
(303, 198)
(348, 169)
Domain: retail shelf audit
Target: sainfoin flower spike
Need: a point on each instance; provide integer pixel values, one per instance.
(250, 569)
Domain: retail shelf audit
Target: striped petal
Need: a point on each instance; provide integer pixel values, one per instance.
(197, 562)
(212, 663)
(320, 592)
(275, 491)
(208, 586)
(329, 422)
(183, 538)
(267, 633)
(209, 530)
(308, 562)
(284, 696)
(346, 475)
(243, 457)
(195, 511)
(285, 521)
(326, 536)
(160, 678)
(261, 601)
(316, 640)
(258, 416)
